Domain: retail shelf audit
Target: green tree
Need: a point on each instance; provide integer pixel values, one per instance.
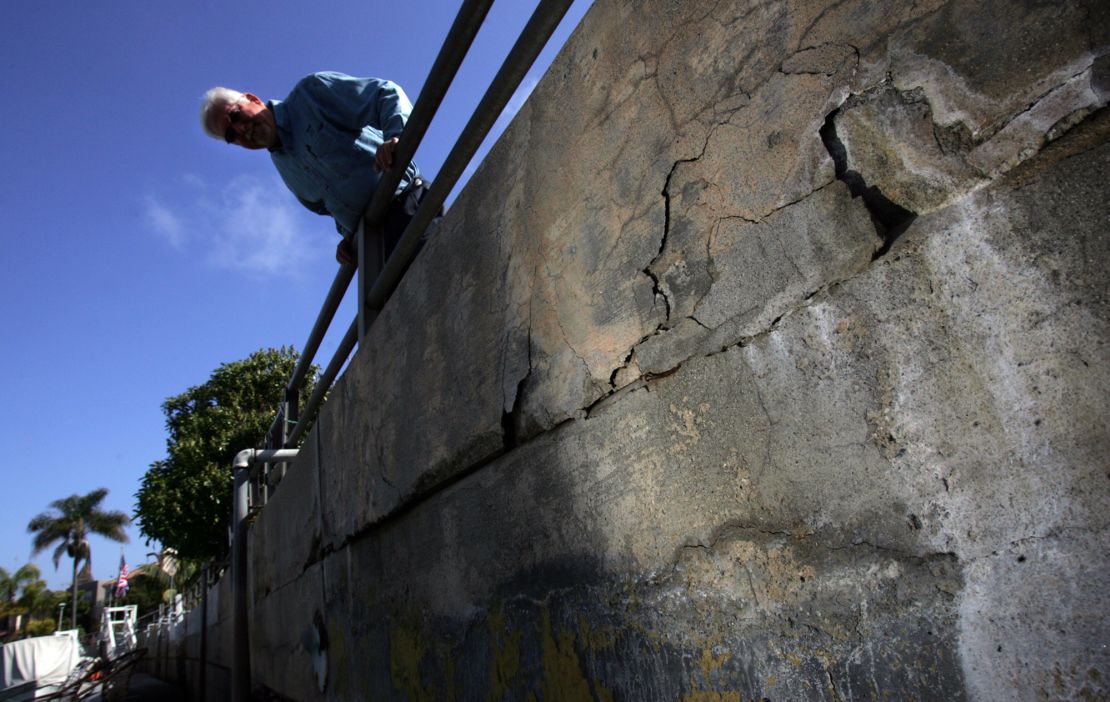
(10, 586)
(41, 606)
(184, 500)
(40, 627)
(71, 522)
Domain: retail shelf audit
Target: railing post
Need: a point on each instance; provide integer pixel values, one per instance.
(371, 257)
(288, 420)
(202, 683)
(240, 654)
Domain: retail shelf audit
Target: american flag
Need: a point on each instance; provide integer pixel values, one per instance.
(121, 585)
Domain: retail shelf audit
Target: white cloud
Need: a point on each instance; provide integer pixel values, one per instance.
(258, 229)
(165, 223)
(193, 180)
(253, 226)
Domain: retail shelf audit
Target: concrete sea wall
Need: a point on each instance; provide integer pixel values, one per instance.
(765, 357)
(194, 653)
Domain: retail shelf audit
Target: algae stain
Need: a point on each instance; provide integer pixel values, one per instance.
(711, 696)
(596, 638)
(505, 655)
(452, 683)
(562, 672)
(337, 651)
(405, 654)
(709, 662)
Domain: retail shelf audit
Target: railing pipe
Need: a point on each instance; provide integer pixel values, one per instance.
(533, 37)
(319, 329)
(459, 38)
(540, 26)
(203, 684)
(326, 379)
(240, 649)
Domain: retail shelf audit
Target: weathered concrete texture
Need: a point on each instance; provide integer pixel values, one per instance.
(765, 356)
(801, 248)
(290, 530)
(178, 653)
(288, 653)
(902, 476)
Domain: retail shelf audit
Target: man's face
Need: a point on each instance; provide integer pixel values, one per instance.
(248, 123)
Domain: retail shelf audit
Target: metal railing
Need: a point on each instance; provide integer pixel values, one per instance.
(376, 282)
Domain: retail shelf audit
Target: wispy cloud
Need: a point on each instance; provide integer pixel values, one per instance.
(165, 223)
(193, 181)
(258, 230)
(252, 226)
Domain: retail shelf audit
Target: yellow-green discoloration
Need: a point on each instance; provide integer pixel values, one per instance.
(603, 693)
(338, 663)
(405, 654)
(505, 656)
(600, 639)
(562, 672)
(710, 696)
(709, 662)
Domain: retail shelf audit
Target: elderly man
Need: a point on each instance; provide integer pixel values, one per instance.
(330, 139)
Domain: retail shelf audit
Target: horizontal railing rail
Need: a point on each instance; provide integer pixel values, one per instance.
(374, 287)
(378, 277)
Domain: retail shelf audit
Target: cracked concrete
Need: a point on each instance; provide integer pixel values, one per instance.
(753, 359)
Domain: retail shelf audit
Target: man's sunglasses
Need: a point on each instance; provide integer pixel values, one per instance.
(233, 118)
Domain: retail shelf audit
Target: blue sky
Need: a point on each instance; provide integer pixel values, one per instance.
(138, 254)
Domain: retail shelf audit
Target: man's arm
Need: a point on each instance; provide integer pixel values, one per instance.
(352, 103)
(383, 159)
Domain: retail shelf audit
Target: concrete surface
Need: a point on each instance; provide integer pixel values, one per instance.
(765, 356)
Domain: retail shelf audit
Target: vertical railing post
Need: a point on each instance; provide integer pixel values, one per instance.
(240, 654)
(361, 254)
(202, 683)
(288, 419)
(371, 258)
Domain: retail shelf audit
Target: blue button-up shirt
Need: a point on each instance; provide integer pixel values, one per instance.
(330, 127)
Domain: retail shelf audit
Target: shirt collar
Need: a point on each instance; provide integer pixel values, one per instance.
(281, 118)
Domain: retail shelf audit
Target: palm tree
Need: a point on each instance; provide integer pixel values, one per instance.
(71, 522)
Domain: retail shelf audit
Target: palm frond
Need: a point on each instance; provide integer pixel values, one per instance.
(62, 548)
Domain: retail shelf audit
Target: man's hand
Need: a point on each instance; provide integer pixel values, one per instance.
(383, 160)
(345, 252)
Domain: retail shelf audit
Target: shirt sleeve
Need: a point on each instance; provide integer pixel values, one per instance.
(352, 103)
(318, 207)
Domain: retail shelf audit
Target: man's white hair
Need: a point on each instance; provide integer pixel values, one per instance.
(217, 98)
